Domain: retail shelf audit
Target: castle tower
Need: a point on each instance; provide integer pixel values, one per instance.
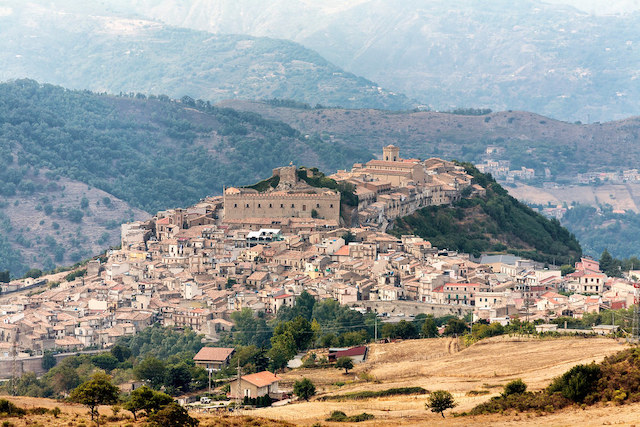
(288, 176)
(391, 153)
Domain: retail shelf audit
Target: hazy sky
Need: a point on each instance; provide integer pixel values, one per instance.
(601, 7)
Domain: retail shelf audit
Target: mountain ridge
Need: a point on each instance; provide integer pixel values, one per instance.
(119, 54)
(549, 58)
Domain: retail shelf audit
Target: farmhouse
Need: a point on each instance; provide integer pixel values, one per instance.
(214, 358)
(255, 385)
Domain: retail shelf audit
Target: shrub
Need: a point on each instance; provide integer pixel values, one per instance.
(337, 416)
(514, 387)
(577, 383)
(373, 394)
(360, 417)
(526, 401)
(9, 409)
(340, 416)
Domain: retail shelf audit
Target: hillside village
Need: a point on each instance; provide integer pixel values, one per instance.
(193, 267)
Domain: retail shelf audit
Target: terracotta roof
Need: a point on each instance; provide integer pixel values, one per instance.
(219, 354)
(354, 351)
(343, 251)
(261, 379)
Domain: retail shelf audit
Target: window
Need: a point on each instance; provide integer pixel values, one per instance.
(331, 205)
(259, 205)
(270, 205)
(304, 207)
(292, 205)
(281, 205)
(235, 205)
(317, 205)
(247, 204)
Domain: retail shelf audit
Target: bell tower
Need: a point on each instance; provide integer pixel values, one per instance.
(391, 153)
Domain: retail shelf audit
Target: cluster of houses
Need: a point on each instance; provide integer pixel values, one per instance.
(392, 187)
(191, 268)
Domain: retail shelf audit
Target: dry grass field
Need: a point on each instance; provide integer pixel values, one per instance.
(620, 196)
(431, 363)
(441, 364)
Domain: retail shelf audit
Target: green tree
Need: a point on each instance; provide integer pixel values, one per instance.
(348, 237)
(345, 363)
(300, 329)
(455, 327)
(173, 415)
(304, 388)
(146, 399)
(566, 269)
(402, 330)
(152, 370)
(251, 358)
(106, 361)
(97, 391)
(5, 277)
(48, 361)
(429, 327)
(120, 352)
(63, 378)
(178, 378)
(248, 330)
(283, 349)
(34, 273)
(439, 401)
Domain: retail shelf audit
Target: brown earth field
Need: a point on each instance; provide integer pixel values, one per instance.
(433, 364)
(619, 196)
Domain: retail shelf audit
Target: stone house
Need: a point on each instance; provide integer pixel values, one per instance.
(255, 385)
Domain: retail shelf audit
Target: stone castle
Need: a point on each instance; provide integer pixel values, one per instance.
(292, 198)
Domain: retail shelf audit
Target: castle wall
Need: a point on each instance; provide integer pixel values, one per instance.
(282, 205)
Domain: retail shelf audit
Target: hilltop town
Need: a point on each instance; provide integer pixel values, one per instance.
(260, 247)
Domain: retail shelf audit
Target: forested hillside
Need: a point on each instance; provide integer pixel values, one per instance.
(81, 48)
(495, 223)
(600, 228)
(152, 153)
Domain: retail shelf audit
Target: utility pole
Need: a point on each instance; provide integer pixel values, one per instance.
(238, 388)
(209, 369)
(14, 361)
(635, 326)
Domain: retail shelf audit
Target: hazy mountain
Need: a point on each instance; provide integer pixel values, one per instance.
(82, 47)
(527, 139)
(551, 59)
